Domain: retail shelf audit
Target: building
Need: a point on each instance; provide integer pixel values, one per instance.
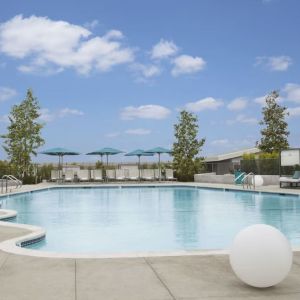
(227, 163)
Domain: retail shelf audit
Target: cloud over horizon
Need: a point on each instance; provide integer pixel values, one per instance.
(208, 103)
(163, 49)
(274, 63)
(47, 116)
(59, 45)
(186, 64)
(149, 111)
(238, 104)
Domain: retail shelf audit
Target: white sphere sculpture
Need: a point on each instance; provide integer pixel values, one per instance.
(261, 256)
(258, 180)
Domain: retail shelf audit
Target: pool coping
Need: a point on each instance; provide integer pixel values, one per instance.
(36, 233)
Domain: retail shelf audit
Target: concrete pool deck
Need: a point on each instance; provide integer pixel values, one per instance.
(152, 278)
(191, 277)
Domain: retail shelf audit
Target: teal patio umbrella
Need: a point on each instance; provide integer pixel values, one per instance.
(159, 151)
(105, 151)
(139, 153)
(60, 152)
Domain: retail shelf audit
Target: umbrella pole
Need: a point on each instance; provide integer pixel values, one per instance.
(139, 166)
(58, 167)
(107, 159)
(62, 165)
(159, 167)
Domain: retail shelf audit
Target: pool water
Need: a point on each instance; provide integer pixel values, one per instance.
(130, 219)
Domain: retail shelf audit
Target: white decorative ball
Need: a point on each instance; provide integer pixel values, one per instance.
(261, 256)
(258, 180)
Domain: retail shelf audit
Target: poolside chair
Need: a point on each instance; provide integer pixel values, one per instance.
(111, 174)
(97, 175)
(69, 175)
(83, 175)
(120, 174)
(148, 174)
(291, 181)
(170, 174)
(157, 172)
(133, 174)
(54, 175)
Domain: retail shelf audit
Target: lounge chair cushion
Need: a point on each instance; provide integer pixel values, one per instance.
(289, 179)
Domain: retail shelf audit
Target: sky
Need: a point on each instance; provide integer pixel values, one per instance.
(117, 73)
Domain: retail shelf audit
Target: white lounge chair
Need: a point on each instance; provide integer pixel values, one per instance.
(83, 175)
(148, 174)
(133, 174)
(54, 175)
(294, 180)
(170, 174)
(97, 175)
(69, 175)
(110, 174)
(120, 174)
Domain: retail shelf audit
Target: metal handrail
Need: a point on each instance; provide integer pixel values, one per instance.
(10, 178)
(248, 183)
(14, 179)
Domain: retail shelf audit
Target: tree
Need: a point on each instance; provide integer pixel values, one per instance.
(274, 135)
(24, 134)
(187, 147)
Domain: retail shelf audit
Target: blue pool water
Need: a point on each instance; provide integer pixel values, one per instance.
(116, 220)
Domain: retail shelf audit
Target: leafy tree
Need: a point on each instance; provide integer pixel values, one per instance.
(274, 134)
(24, 134)
(187, 147)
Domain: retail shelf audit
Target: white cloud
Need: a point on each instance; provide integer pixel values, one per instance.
(113, 34)
(220, 142)
(163, 49)
(44, 70)
(186, 64)
(145, 71)
(241, 118)
(261, 100)
(244, 119)
(47, 116)
(61, 45)
(150, 111)
(208, 103)
(92, 24)
(70, 112)
(294, 111)
(274, 63)
(138, 131)
(292, 91)
(238, 104)
(112, 134)
(6, 93)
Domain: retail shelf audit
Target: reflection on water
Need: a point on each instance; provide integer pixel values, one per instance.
(186, 216)
(150, 219)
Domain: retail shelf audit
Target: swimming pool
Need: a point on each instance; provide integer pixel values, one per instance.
(139, 219)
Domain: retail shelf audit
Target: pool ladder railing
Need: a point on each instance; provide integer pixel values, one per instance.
(6, 179)
(249, 181)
